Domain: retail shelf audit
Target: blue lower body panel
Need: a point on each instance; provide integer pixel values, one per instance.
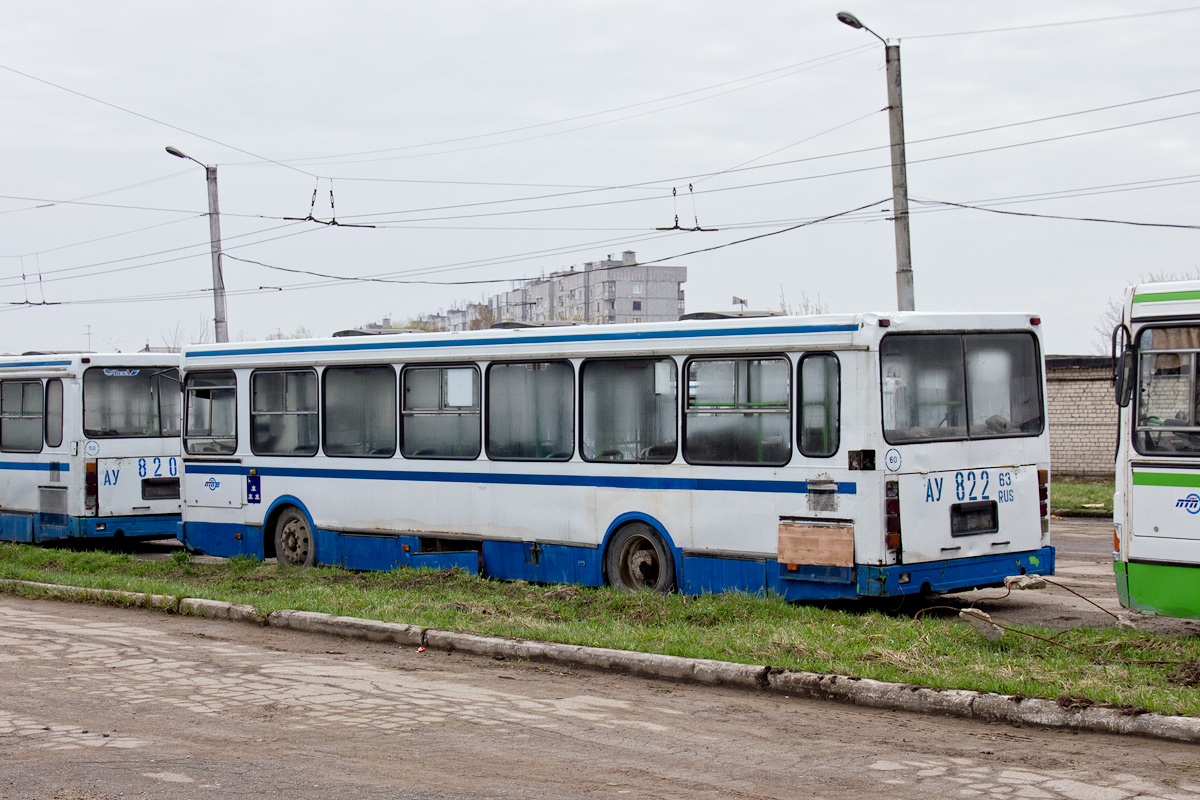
(703, 575)
(221, 539)
(953, 575)
(578, 564)
(37, 527)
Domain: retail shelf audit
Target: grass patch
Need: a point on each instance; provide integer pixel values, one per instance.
(1081, 495)
(853, 639)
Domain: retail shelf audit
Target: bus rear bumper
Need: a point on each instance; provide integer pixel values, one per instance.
(149, 526)
(34, 527)
(952, 575)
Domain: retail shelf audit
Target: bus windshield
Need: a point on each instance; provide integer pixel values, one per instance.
(1167, 395)
(131, 402)
(947, 386)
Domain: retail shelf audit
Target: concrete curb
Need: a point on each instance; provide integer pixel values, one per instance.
(165, 602)
(351, 627)
(219, 609)
(695, 670)
(984, 706)
(858, 691)
(1082, 513)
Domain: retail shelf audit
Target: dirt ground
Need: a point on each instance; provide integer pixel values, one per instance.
(99, 703)
(1083, 566)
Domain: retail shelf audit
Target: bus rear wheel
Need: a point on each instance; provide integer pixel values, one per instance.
(638, 559)
(294, 540)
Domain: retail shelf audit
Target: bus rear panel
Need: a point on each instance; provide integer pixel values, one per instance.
(89, 447)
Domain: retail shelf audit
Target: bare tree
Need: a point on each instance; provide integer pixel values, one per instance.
(180, 334)
(1110, 317)
(806, 307)
(485, 317)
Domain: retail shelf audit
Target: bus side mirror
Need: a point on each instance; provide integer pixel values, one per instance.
(1124, 377)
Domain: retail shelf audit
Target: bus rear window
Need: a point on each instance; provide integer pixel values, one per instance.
(946, 386)
(131, 402)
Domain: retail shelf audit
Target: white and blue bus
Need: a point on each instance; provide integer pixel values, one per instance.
(89, 446)
(817, 457)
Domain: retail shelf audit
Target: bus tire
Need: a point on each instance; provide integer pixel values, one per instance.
(294, 543)
(638, 559)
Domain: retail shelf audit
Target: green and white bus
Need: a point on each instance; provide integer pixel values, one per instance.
(1156, 507)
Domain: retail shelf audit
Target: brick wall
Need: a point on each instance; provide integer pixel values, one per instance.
(1082, 416)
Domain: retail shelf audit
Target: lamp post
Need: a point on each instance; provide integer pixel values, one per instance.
(220, 326)
(904, 276)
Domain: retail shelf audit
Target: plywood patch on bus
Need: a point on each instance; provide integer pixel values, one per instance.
(811, 542)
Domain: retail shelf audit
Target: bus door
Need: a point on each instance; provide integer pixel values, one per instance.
(137, 485)
(1166, 514)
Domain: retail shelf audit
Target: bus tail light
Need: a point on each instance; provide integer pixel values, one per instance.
(1044, 498)
(891, 518)
(91, 486)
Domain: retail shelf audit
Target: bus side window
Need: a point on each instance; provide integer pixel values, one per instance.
(211, 413)
(440, 416)
(54, 412)
(283, 413)
(21, 416)
(738, 411)
(360, 411)
(629, 410)
(529, 415)
(820, 396)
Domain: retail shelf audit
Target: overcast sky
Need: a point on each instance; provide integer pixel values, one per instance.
(493, 141)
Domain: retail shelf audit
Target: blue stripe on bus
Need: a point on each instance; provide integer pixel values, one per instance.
(613, 482)
(63, 466)
(519, 339)
(6, 364)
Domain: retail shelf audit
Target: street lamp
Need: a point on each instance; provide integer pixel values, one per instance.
(904, 276)
(220, 326)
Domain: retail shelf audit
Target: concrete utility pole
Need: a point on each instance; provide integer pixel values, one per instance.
(220, 325)
(904, 275)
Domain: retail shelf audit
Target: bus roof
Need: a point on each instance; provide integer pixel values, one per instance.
(1164, 299)
(839, 331)
(76, 363)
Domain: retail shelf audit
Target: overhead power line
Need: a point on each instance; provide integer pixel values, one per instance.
(14, 281)
(774, 74)
(375, 279)
(697, 177)
(334, 280)
(104, 238)
(1055, 24)
(152, 119)
(1062, 216)
(80, 200)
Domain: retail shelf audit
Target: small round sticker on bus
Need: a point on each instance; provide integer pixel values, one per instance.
(892, 460)
(92, 448)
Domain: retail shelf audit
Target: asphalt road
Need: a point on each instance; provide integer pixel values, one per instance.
(1083, 592)
(101, 703)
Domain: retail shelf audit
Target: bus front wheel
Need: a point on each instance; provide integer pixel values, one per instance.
(294, 539)
(637, 558)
